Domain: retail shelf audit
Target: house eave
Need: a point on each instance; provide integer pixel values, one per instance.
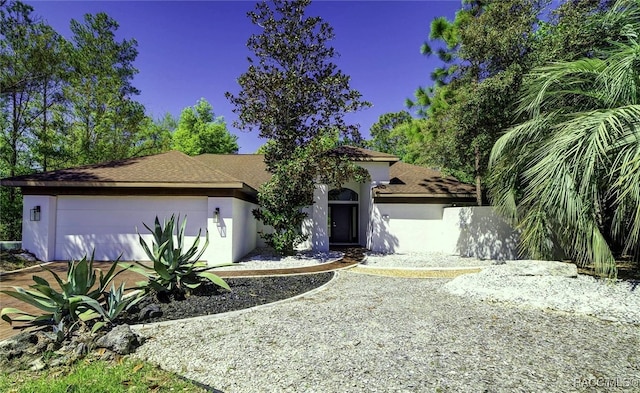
(85, 184)
(376, 159)
(448, 195)
(445, 199)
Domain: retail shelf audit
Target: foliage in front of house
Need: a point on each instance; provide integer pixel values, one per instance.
(175, 271)
(568, 175)
(88, 295)
(78, 301)
(297, 98)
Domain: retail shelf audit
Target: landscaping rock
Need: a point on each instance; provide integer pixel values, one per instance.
(28, 257)
(121, 340)
(37, 365)
(24, 351)
(539, 268)
(150, 311)
(24, 343)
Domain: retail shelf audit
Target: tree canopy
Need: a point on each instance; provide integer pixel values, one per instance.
(199, 132)
(296, 98)
(557, 94)
(485, 50)
(567, 175)
(72, 101)
(382, 137)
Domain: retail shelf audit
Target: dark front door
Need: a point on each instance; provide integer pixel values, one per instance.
(342, 224)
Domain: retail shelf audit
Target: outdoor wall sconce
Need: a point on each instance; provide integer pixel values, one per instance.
(216, 216)
(35, 214)
(385, 217)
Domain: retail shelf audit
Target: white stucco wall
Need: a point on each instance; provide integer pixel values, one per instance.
(379, 171)
(220, 233)
(245, 231)
(479, 232)
(39, 236)
(108, 223)
(402, 227)
(73, 226)
(466, 231)
(366, 212)
(315, 225)
(261, 228)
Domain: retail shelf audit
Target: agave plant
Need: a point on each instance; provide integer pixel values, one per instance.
(115, 302)
(174, 270)
(79, 293)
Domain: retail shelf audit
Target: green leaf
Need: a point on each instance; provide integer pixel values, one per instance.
(39, 302)
(79, 277)
(215, 279)
(85, 301)
(40, 281)
(105, 280)
(97, 326)
(23, 316)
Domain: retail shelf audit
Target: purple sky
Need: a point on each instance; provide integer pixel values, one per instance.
(189, 50)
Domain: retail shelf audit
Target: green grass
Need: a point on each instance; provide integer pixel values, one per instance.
(97, 377)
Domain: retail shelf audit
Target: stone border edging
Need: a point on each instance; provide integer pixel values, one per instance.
(140, 328)
(414, 274)
(26, 268)
(418, 269)
(423, 272)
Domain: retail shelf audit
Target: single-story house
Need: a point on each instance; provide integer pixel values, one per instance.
(403, 208)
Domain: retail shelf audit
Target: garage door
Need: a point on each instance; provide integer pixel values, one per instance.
(108, 224)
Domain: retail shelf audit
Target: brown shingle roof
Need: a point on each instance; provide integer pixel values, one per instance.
(248, 167)
(170, 169)
(177, 170)
(407, 179)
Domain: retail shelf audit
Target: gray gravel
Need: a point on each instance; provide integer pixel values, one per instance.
(265, 258)
(586, 295)
(365, 333)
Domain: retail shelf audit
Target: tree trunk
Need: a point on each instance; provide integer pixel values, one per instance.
(478, 177)
(13, 218)
(45, 150)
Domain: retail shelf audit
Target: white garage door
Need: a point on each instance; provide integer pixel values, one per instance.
(108, 224)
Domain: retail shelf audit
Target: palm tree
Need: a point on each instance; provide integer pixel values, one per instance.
(569, 175)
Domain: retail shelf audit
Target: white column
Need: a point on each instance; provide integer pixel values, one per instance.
(319, 214)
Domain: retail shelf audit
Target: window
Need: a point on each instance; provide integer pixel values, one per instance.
(343, 194)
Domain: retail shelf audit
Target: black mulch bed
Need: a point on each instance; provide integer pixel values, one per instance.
(210, 299)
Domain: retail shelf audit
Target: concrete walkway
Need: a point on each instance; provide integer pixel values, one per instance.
(23, 278)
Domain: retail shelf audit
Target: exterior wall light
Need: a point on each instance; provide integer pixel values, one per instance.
(35, 214)
(385, 217)
(216, 216)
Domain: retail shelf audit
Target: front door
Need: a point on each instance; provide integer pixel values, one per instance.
(343, 221)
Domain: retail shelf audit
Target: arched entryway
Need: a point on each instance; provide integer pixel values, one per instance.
(343, 216)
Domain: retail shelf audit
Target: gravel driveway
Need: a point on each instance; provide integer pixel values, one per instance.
(380, 334)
